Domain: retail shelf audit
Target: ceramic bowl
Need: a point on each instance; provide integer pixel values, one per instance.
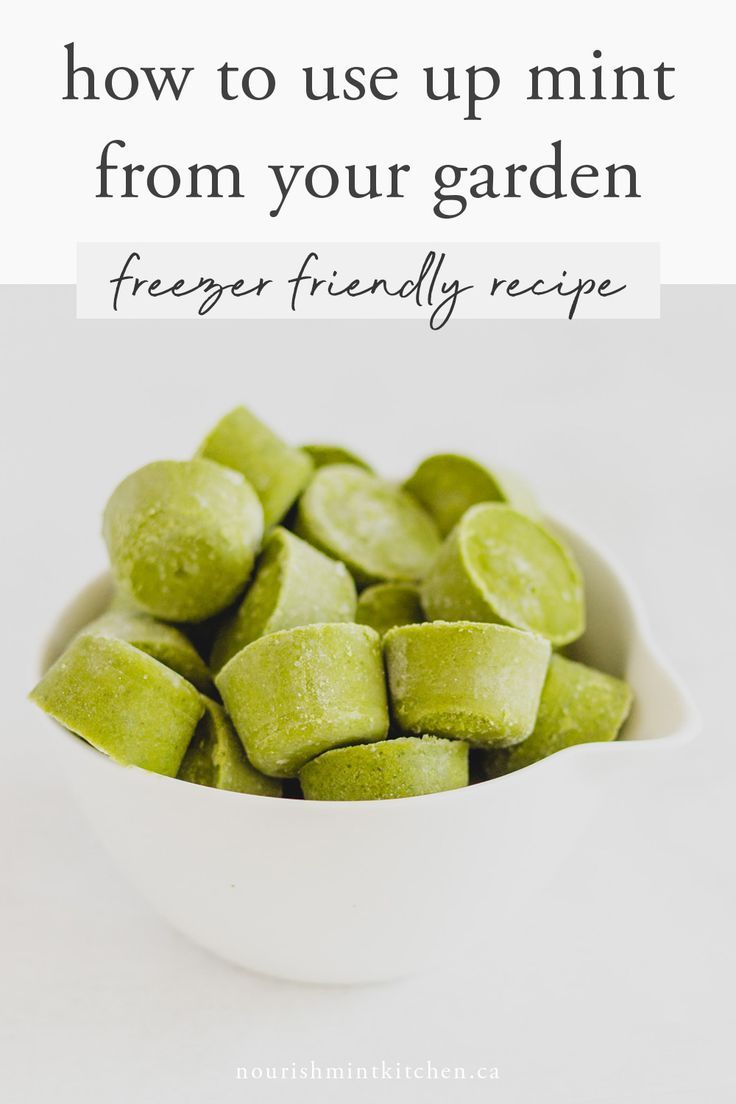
(366, 891)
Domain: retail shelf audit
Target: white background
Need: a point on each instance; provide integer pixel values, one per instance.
(50, 148)
(618, 985)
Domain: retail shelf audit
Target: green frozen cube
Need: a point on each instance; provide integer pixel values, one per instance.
(122, 701)
(579, 705)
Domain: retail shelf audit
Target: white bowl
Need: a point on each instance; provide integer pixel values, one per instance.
(366, 891)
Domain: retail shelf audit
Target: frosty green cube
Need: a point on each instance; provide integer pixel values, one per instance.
(122, 701)
(277, 471)
(499, 565)
(294, 584)
(378, 530)
(448, 484)
(405, 767)
(164, 642)
(216, 757)
(579, 705)
(474, 682)
(386, 605)
(322, 455)
(296, 693)
(182, 537)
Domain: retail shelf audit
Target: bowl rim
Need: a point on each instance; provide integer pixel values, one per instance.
(686, 731)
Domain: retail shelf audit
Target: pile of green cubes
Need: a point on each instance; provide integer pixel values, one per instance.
(286, 622)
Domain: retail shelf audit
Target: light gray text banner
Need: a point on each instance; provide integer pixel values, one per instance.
(437, 283)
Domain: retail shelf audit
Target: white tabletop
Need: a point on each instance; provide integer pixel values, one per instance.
(619, 986)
